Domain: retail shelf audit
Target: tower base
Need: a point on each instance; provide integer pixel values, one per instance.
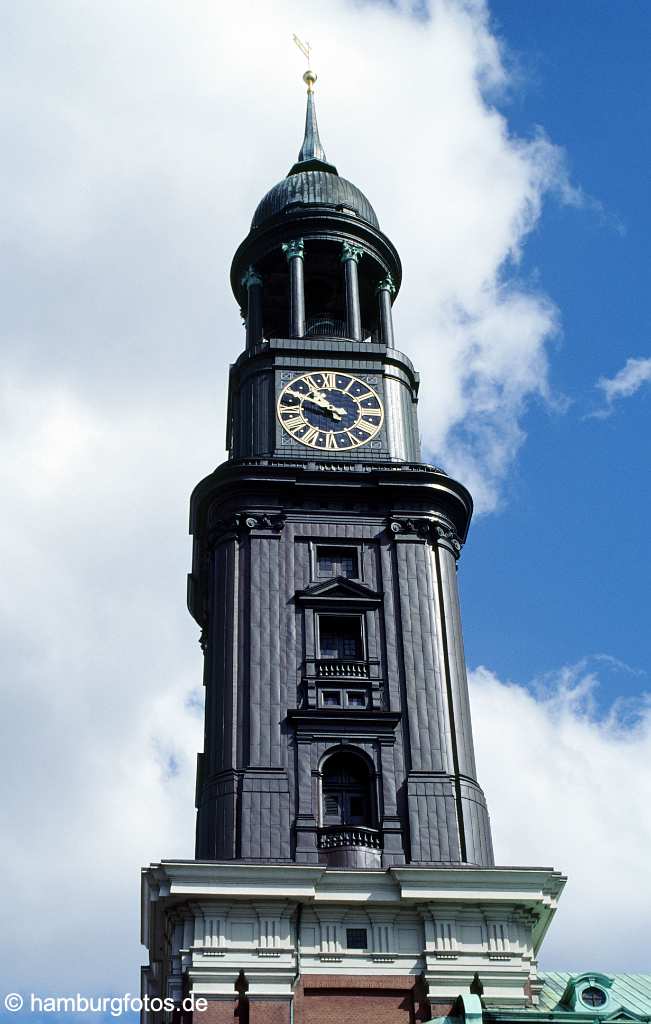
(285, 943)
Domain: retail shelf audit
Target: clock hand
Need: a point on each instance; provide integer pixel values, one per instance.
(319, 399)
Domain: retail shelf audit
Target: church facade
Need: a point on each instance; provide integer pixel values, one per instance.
(344, 865)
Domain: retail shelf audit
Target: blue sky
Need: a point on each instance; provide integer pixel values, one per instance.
(563, 570)
(128, 180)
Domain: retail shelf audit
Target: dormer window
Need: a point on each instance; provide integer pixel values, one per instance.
(333, 561)
(588, 994)
(593, 996)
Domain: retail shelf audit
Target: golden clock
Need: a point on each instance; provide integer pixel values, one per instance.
(330, 410)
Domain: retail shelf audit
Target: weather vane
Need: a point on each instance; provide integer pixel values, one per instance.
(309, 77)
(305, 48)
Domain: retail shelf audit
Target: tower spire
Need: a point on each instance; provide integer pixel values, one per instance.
(312, 155)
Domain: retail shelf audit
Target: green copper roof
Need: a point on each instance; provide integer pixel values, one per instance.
(627, 998)
(629, 991)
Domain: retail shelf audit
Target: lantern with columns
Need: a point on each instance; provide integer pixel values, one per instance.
(315, 263)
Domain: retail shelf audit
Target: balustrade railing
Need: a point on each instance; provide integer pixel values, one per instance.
(335, 836)
(341, 668)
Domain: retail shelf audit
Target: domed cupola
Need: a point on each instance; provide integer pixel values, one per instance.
(315, 263)
(313, 181)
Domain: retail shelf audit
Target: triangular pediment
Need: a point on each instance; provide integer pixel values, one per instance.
(339, 589)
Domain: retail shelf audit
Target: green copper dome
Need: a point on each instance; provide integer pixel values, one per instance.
(314, 188)
(313, 181)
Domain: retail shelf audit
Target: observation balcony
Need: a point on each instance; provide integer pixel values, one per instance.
(350, 846)
(333, 837)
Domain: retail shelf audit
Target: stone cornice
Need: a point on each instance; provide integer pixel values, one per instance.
(530, 886)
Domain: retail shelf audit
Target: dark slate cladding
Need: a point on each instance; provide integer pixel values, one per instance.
(314, 188)
(257, 526)
(325, 693)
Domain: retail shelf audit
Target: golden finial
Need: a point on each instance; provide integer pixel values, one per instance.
(309, 77)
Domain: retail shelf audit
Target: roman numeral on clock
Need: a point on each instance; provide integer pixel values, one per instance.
(294, 422)
(309, 435)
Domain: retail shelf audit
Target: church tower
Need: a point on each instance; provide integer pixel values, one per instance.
(343, 846)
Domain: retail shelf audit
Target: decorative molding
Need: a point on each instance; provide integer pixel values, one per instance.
(350, 251)
(386, 285)
(339, 590)
(294, 249)
(251, 278)
(244, 522)
(429, 920)
(431, 530)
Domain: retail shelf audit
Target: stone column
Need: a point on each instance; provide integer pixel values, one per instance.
(350, 257)
(253, 284)
(294, 252)
(384, 290)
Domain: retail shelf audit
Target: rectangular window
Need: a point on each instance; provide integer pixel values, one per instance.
(356, 938)
(355, 699)
(331, 699)
(340, 637)
(336, 562)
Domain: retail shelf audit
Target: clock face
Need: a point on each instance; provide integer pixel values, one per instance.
(330, 410)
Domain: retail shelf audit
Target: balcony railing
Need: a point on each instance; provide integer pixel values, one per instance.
(341, 668)
(333, 837)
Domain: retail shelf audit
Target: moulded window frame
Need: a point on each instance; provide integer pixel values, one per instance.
(594, 988)
(334, 542)
(343, 691)
(373, 792)
(330, 689)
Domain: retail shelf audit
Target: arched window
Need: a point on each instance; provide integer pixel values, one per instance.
(347, 798)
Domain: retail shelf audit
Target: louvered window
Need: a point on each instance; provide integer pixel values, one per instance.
(331, 804)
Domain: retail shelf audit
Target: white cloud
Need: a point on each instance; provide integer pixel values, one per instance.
(635, 373)
(568, 787)
(138, 139)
